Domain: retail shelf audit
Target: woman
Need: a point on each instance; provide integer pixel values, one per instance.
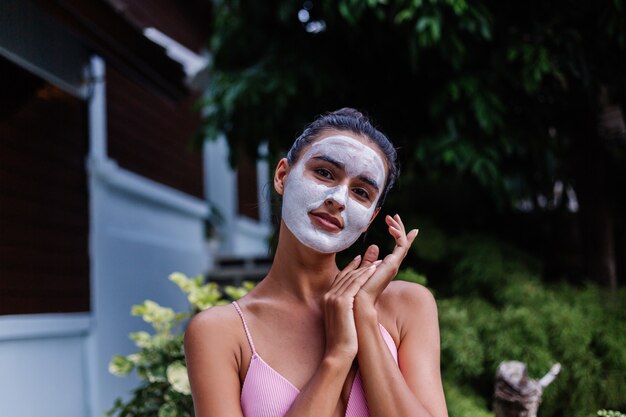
(310, 339)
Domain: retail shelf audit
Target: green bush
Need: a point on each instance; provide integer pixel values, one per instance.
(610, 413)
(501, 312)
(462, 402)
(507, 313)
(160, 361)
(410, 275)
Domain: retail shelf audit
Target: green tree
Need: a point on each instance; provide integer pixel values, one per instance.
(505, 98)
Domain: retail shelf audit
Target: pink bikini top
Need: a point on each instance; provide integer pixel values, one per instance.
(266, 393)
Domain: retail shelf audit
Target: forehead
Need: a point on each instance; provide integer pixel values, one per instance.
(343, 142)
(358, 157)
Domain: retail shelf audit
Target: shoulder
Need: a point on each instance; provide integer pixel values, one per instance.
(404, 295)
(213, 329)
(213, 318)
(409, 305)
(213, 357)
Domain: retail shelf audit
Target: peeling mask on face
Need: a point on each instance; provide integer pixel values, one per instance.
(303, 194)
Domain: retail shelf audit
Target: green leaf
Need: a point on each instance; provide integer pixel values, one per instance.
(120, 365)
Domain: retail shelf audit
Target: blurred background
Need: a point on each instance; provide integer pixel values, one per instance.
(139, 138)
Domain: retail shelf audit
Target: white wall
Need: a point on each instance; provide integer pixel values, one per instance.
(240, 236)
(43, 365)
(141, 231)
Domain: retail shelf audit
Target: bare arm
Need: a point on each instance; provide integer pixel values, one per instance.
(414, 388)
(212, 364)
(320, 396)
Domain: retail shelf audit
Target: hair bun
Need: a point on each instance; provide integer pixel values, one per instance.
(348, 111)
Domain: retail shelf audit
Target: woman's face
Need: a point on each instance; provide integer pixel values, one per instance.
(331, 192)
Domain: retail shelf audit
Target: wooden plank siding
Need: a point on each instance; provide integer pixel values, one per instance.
(151, 135)
(188, 22)
(44, 212)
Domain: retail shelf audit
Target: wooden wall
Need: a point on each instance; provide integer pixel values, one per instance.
(151, 135)
(44, 215)
(187, 22)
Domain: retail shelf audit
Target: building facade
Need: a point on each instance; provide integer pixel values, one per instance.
(101, 195)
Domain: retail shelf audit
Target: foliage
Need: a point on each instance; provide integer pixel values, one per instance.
(503, 312)
(610, 413)
(478, 88)
(160, 361)
(515, 316)
(502, 99)
(464, 403)
(410, 275)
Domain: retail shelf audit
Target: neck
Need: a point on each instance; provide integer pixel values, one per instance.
(299, 271)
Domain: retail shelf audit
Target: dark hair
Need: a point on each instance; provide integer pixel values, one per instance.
(350, 120)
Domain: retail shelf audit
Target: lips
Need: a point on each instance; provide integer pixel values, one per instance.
(327, 218)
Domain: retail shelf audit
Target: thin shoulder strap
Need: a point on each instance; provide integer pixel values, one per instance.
(245, 326)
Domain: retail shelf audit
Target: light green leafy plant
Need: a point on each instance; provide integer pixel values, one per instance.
(610, 413)
(160, 360)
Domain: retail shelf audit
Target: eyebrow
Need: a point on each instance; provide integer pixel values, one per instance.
(342, 166)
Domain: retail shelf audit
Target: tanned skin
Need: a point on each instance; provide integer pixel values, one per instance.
(313, 322)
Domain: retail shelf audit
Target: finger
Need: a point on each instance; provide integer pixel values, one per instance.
(391, 263)
(396, 233)
(341, 287)
(353, 287)
(399, 220)
(359, 273)
(400, 250)
(371, 255)
(384, 274)
(395, 221)
(354, 264)
(391, 221)
(340, 283)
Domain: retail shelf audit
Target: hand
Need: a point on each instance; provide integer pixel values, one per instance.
(387, 270)
(338, 304)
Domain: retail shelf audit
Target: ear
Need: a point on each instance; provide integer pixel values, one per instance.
(280, 175)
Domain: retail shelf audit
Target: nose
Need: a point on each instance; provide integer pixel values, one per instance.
(337, 198)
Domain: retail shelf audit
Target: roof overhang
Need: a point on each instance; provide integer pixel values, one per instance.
(110, 34)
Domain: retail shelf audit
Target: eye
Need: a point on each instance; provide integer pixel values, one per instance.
(361, 193)
(323, 172)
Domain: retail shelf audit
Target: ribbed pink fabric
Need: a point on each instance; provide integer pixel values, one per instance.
(266, 393)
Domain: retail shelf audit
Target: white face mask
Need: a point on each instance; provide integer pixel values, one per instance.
(303, 194)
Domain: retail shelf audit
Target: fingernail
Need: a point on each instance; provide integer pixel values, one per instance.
(378, 262)
(372, 267)
(357, 258)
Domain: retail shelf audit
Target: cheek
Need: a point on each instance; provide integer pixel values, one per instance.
(306, 191)
(358, 215)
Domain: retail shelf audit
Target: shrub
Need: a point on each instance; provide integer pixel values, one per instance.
(462, 402)
(584, 329)
(160, 361)
(410, 275)
(610, 413)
